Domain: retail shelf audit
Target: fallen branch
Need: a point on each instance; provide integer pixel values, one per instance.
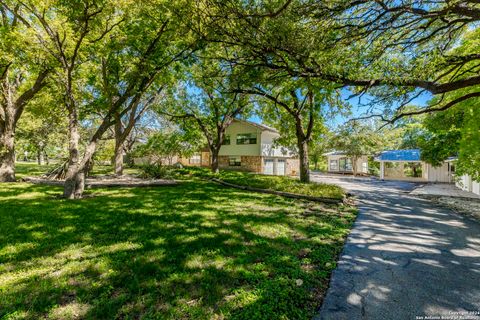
(284, 194)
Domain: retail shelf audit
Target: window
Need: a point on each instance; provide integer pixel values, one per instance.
(452, 167)
(195, 159)
(226, 140)
(365, 167)
(334, 165)
(348, 164)
(234, 161)
(345, 164)
(247, 138)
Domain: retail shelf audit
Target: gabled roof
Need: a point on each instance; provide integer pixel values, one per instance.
(258, 125)
(399, 155)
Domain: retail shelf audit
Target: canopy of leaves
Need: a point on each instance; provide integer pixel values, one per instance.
(163, 146)
(356, 139)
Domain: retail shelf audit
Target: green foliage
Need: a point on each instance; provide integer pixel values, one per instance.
(195, 250)
(204, 102)
(319, 145)
(155, 171)
(454, 133)
(469, 154)
(373, 166)
(43, 127)
(356, 139)
(162, 147)
(194, 172)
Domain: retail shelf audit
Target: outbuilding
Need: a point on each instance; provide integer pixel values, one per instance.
(407, 165)
(340, 162)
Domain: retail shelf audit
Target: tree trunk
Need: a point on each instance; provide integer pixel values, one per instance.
(11, 111)
(354, 166)
(7, 145)
(7, 155)
(119, 141)
(304, 164)
(89, 168)
(75, 178)
(215, 164)
(40, 158)
(302, 144)
(79, 184)
(72, 175)
(118, 161)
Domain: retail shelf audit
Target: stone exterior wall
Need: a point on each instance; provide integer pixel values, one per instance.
(223, 162)
(293, 167)
(248, 163)
(252, 163)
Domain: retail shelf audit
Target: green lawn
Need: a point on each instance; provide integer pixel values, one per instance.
(192, 251)
(282, 183)
(24, 169)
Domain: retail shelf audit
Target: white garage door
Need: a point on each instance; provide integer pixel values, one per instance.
(281, 167)
(268, 166)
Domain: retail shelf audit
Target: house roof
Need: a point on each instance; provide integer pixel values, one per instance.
(399, 155)
(258, 125)
(338, 153)
(335, 153)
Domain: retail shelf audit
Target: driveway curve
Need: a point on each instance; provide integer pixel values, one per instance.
(405, 258)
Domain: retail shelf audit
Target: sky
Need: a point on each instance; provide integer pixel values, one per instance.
(357, 110)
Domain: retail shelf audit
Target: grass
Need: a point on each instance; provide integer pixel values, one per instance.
(24, 169)
(191, 251)
(278, 183)
(282, 183)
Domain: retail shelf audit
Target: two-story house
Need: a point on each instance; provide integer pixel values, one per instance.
(250, 146)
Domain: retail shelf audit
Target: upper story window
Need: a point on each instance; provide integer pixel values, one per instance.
(247, 138)
(226, 140)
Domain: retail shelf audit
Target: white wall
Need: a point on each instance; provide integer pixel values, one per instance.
(438, 174)
(466, 183)
(263, 147)
(267, 146)
(245, 149)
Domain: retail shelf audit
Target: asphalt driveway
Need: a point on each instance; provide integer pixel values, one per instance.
(405, 258)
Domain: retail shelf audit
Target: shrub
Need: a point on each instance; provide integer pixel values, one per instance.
(155, 171)
(189, 172)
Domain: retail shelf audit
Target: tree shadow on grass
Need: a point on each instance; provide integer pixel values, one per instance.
(189, 251)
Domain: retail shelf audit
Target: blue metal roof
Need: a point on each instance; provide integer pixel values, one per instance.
(399, 155)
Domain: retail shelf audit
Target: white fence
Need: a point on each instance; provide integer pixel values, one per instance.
(466, 183)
